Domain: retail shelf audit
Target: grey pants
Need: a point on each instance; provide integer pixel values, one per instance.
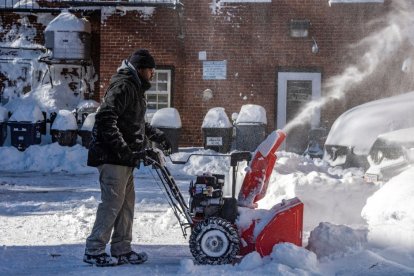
(115, 212)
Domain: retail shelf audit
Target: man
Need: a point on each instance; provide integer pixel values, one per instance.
(117, 147)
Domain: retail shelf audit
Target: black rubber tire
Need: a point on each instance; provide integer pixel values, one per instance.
(217, 231)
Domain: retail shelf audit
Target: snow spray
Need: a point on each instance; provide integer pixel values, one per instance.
(378, 48)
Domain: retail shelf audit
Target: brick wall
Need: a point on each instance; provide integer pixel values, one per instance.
(254, 40)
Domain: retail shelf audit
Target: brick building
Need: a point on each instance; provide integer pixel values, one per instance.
(279, 54)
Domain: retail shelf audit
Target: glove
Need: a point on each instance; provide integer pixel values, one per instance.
(152, 156)
(165, 145)
(137, 156)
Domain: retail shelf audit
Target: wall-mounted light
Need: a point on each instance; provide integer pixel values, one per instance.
(299, 27)
(315, 48)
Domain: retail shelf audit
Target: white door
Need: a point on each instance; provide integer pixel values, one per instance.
(295, 89)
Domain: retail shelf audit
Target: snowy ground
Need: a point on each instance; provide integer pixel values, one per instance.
(48, 199)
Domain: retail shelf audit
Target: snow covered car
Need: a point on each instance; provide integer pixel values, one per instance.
(392, 153)
(355, 131)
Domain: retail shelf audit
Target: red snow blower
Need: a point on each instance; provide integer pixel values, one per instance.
(215, 237)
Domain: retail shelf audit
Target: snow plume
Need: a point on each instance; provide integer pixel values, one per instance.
(379, 48)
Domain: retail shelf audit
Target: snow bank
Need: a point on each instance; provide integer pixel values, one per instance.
(216, 118)
(166, 117)
(371, 119)
(337, 196)
(404, 135)
(295, 257)
(47, 158)
(49, 99)
(329, 240)
(285, 259)
(389, 212)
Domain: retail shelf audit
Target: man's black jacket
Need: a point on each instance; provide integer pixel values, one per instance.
(120, 128)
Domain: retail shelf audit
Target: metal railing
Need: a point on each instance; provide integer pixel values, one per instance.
(53, 5)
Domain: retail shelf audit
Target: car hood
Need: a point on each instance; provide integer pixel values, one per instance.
(359, 127)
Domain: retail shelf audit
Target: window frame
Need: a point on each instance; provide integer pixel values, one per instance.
(169, 92)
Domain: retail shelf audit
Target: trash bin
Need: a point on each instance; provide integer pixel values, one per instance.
(83, 109)
(26, 125)
(250, 127)
(64, 129)
(86, 130)
(3, 124)
(217, 130)
(168, 120)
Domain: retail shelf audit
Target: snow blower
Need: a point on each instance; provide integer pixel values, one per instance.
(215, 237)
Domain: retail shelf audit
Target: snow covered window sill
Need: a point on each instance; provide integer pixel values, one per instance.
(354, 1)
(246, 1)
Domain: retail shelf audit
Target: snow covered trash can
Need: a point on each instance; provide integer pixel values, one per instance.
(83, 109)
(64, 129)
(26, 125)
(86, 130)
(168, 121)
(3, 124)
(217, 130)
(250, 127)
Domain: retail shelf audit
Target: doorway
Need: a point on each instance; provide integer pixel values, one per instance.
(295, 90)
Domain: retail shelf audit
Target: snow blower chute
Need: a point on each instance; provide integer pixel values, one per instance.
(215, 237)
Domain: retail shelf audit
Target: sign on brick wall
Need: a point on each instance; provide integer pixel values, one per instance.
(215, 70)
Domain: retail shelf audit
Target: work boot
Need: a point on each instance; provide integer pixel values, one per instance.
(100, 260)
(132, 258)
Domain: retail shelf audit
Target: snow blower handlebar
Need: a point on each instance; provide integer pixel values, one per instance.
(235, 157)
(155, 157)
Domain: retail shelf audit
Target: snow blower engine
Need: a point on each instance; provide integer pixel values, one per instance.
(215, 237)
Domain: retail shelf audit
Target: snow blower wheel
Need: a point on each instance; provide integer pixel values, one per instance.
(214, 241)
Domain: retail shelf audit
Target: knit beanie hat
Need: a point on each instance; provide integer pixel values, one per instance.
(142, 59)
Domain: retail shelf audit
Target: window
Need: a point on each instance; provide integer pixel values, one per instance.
(159, 95)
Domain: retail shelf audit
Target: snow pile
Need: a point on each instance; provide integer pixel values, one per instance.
(65, 120)
(334, 196)
(404, 135)
(389, 213)
(19, 39)
(89, 122)
(26, 4)
(216, 118)
(329, 240)
(285, 259)
(20, 36)
(379, 116)
(166, 117)
(49, 99)
(289, 254)
(251, 113)
(29, 113)
(67, 21)
(88, 106)
(47, 158)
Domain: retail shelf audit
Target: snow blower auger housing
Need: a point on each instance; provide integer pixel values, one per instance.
(215, 237)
